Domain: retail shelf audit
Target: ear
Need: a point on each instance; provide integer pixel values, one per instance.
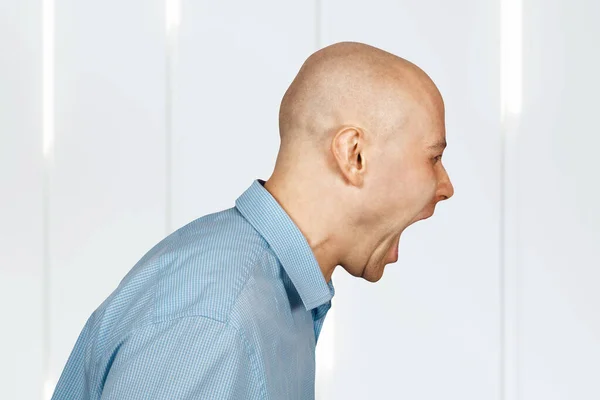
(347, 149)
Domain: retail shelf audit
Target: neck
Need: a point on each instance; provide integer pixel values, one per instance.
(313, 214)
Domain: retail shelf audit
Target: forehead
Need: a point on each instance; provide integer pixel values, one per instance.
(415, 116)
(428, 127)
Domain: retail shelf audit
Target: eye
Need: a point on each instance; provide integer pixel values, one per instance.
(437, 158)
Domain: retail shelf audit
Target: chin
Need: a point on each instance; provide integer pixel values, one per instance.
(372, 277)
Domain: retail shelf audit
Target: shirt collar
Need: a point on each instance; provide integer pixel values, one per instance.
(265, 214)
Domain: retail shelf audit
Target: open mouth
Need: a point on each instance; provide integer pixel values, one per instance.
(392, 255)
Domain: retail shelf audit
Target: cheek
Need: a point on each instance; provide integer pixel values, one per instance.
(407, 182)
(431, 186)
(423, 183)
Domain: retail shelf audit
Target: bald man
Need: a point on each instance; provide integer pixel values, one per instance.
(230, 306)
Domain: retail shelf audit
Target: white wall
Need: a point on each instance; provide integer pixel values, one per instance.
(493, 298)
(232, 62)
(21, 202)
(558, 189)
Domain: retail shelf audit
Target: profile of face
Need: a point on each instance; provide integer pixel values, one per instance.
(403, 179)
(409, 178)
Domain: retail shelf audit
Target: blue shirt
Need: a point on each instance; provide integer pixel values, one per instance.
(229, 306)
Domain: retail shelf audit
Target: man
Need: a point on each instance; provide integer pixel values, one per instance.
(231, 305)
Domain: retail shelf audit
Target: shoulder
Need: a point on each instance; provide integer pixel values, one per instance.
(207, 266)
(198, 270)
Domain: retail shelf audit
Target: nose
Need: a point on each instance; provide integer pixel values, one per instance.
(445, 187)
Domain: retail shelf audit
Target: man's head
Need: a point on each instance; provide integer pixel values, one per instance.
(362, 135)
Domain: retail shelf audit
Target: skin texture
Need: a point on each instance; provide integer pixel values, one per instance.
(362, 134)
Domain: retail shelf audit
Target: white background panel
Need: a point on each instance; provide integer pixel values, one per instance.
(21, 201)
(558, 191)
(430, 328)
(233, 63)
(107, 188)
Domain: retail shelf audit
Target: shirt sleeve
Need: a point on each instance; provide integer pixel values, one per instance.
(186, 358)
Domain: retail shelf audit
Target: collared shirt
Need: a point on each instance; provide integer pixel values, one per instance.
(229, 306)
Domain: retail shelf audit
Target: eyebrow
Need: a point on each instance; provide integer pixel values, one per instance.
(439, 145)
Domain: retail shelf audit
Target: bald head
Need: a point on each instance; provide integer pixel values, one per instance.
(353, 83)
(362, 137)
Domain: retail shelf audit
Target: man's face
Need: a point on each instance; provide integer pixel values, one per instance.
(407, 180)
